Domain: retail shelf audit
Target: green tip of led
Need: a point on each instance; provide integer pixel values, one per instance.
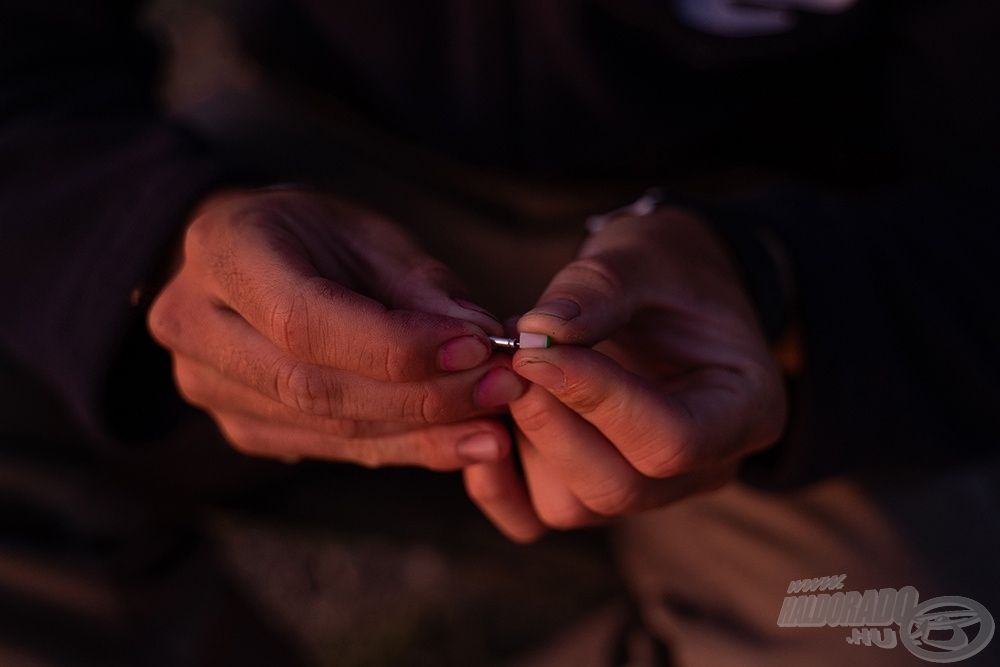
(529, 341)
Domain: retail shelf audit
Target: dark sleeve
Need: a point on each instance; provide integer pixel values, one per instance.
(93, 185)
(896, 287)
(895, 297)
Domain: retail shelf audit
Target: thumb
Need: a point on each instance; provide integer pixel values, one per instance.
(591, 298)
(429, 286)
(405, 277)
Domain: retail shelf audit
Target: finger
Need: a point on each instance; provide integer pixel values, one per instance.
(595, 295)
(501, 495)
(224, 341)
(632, 264)
(705, 416)
(592, 468)
(429, 286)
(442, 448)
(585, 303)
(271, 282)
(396, 271)
(585, 461)
(553, 501)
(206, 388)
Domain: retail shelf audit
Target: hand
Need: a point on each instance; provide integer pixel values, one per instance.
(681, 386)
(310, 328)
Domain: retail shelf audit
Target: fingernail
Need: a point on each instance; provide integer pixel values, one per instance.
(468, 305)
(498, 387)
(543, 373)
(460, 354)
(479, 448)
(564, 309)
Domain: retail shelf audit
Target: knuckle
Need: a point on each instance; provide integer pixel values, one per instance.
(425, 404)
(286, 319)
(485, 490)
(613, 498)
(241, 364)
(392, 361)
(663, 458)
(293, 326)
(595, 273)
(563, 516)
(302, 387)
(434, 406)
(531, 416)
(435, 452)
(583, 397)
(669, 446)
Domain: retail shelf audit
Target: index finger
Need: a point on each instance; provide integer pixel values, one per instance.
(220, 339)
(277, 290)
(706, 417)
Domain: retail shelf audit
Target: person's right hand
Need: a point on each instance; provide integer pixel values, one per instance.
(307, 327)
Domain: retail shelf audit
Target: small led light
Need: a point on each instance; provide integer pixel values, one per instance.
(526, 341)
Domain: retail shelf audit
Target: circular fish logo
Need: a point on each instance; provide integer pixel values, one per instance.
(947, 629)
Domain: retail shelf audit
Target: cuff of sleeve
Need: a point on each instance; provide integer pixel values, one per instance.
(764, 275)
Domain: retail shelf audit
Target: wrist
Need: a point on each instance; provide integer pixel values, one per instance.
(757, 258)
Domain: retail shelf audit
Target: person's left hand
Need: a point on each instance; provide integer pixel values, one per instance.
(679, 386)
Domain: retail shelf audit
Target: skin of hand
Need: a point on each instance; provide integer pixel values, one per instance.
(308, 327)
(661, 382)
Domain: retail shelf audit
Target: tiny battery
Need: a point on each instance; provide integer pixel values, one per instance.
(526, 341)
